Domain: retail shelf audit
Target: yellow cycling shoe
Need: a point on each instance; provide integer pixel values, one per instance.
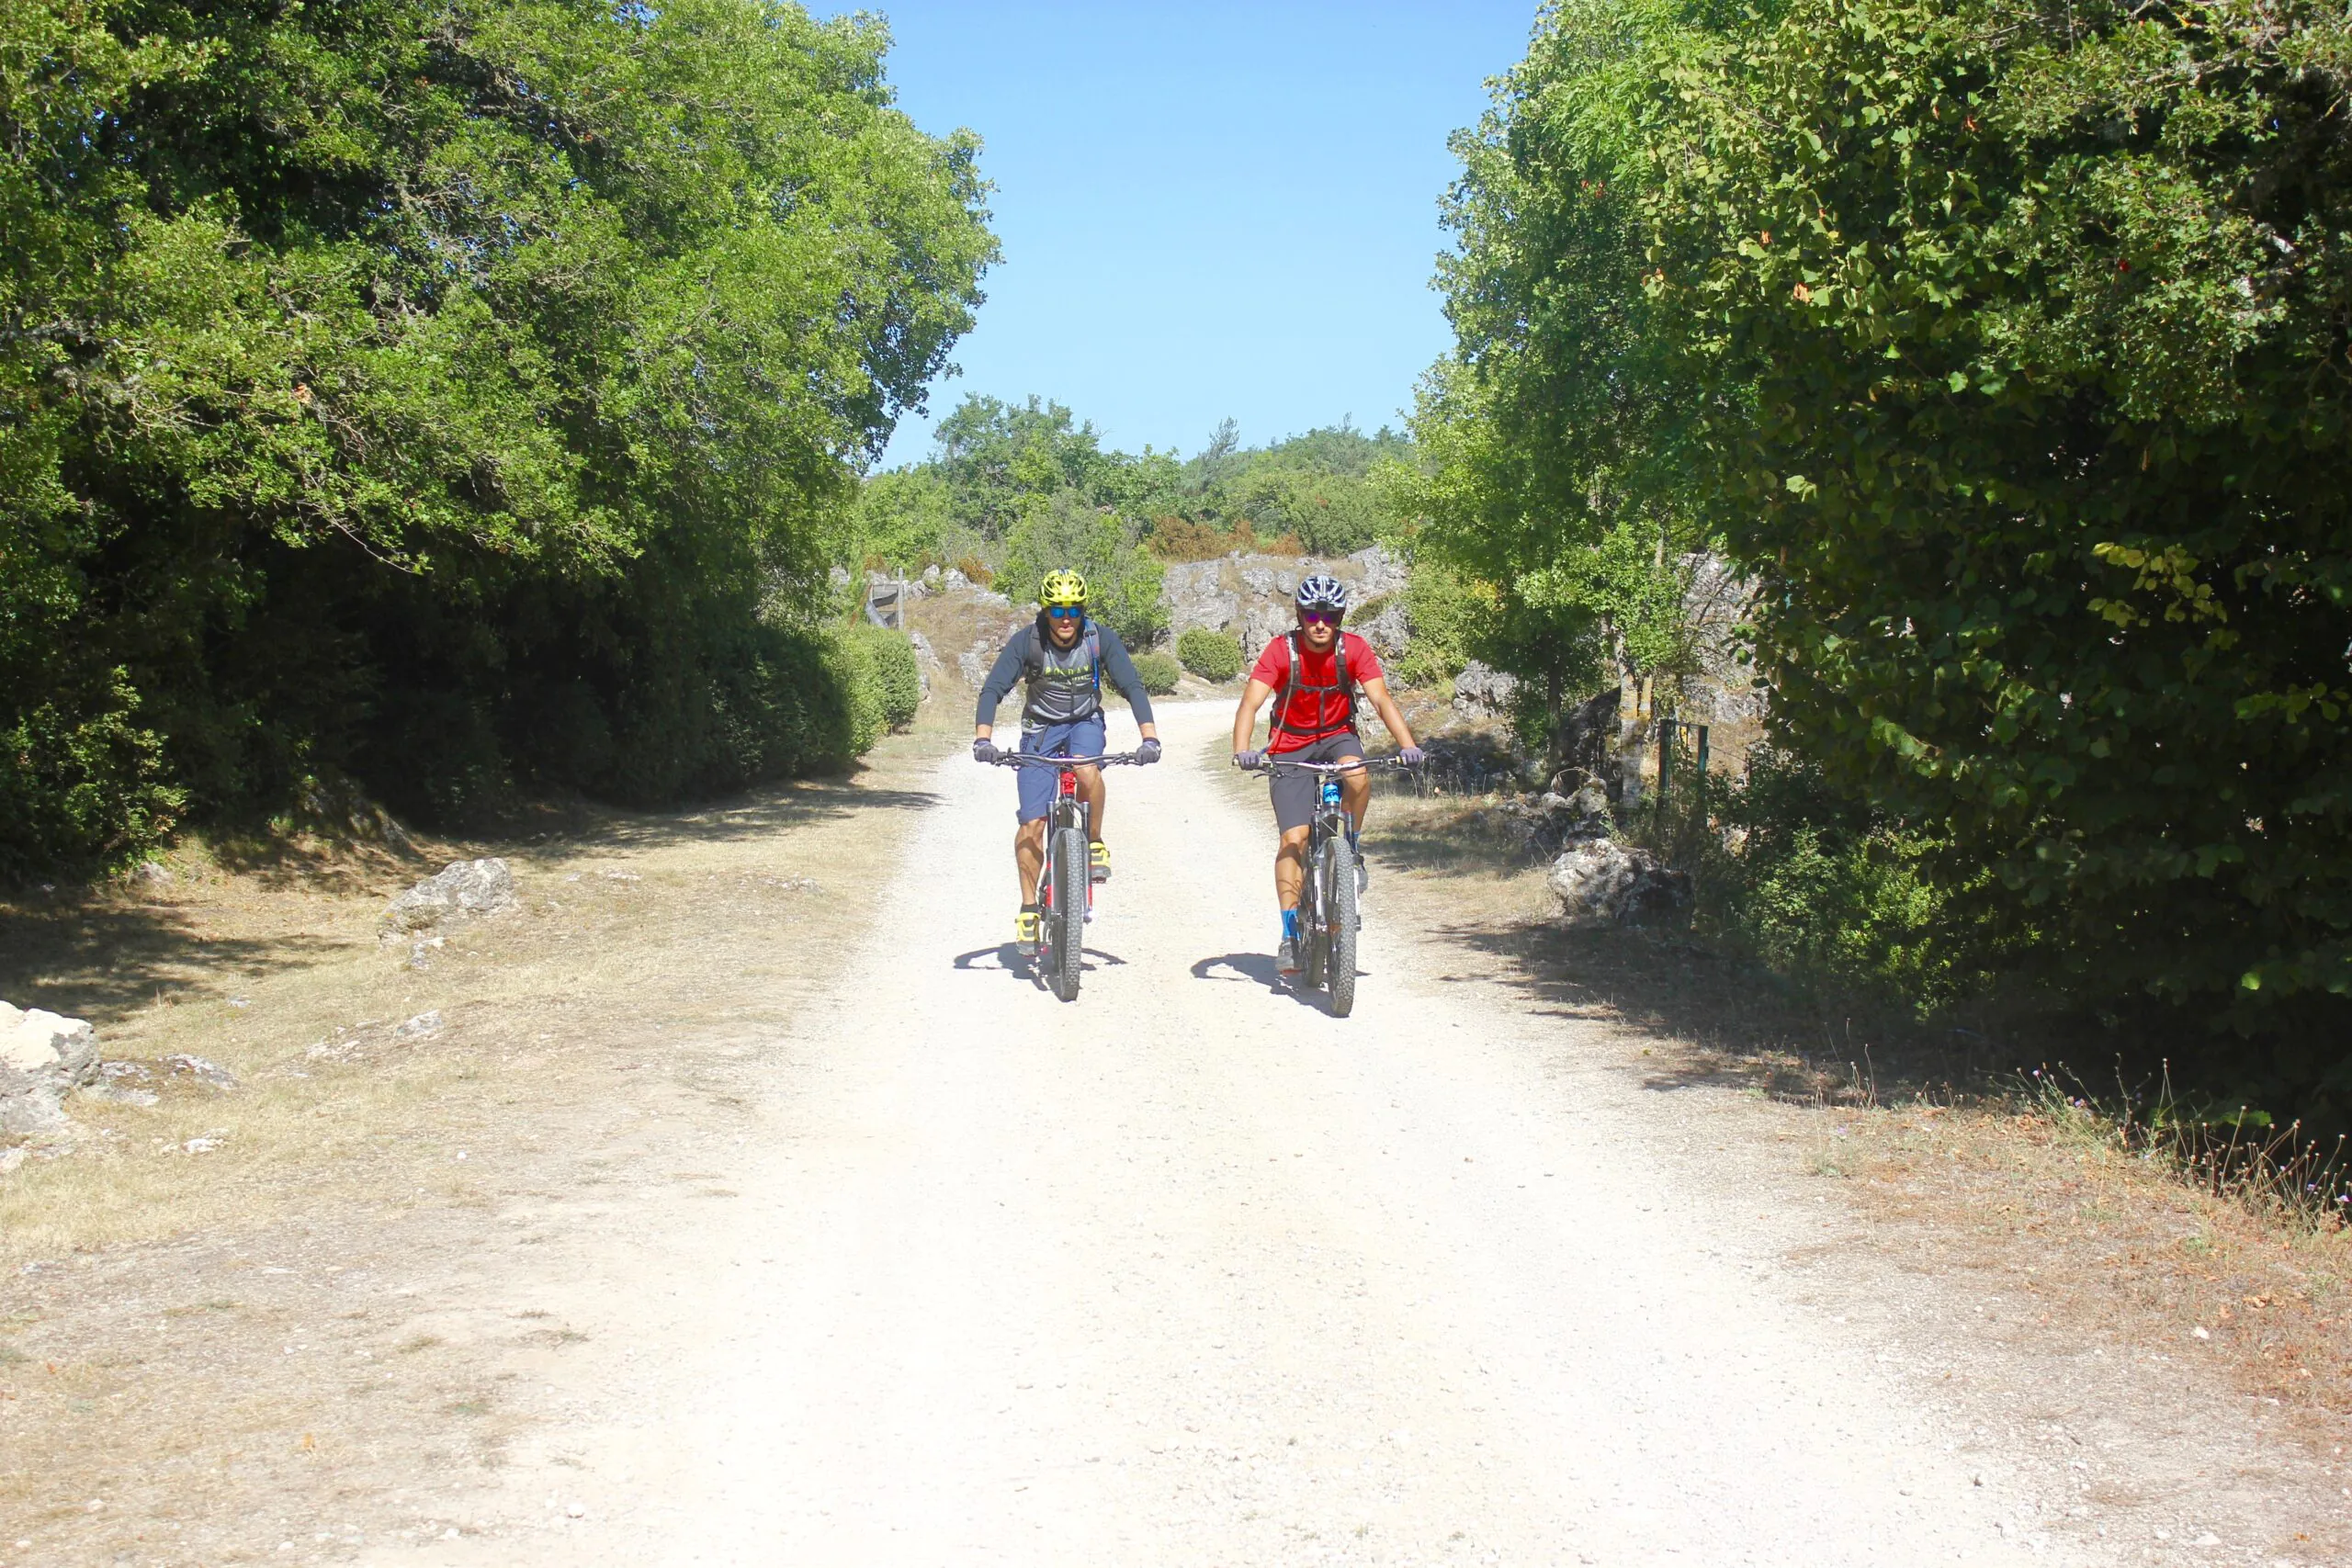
(1024, 932)
(1100, 869)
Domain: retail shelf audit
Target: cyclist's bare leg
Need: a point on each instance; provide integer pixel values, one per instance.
(1355, 794)
(1029, 854)
(1290, 866)
(1089, 789)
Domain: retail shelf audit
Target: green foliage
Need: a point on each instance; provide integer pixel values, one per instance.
(875, 670)
(997, 458)
(906, 517)
(1211, 655)
(2004, 347)
(1850, 903)
(413, 392)
(887, 678)
(1446, 614)
(1064, 531)
(85, 790)
(2038, 406)
(1159, 671)
(1329, 515)
(995, 461)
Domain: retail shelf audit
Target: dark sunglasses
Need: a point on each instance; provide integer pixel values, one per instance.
(1064, 612)
(1321, 618)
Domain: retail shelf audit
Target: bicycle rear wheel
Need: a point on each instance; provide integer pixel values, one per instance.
(1068, 913)
(1340, 914)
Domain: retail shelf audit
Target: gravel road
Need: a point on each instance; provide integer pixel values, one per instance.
(1188, 1272)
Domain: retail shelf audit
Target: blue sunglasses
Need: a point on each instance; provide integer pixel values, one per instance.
(1066, 612)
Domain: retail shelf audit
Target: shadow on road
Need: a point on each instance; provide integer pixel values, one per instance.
(1717, 1022)
(1245, 967)
(1258, 968)
(1006, 955)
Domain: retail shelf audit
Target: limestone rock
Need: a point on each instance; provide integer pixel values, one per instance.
(463, 888)
(42, 1055)
(211, 1074)
(1249, 596)
(1600, 883)
(1478, 690)
(926, 657)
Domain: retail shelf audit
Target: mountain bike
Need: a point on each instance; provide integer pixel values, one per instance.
(1065, 890)
(1327, 922)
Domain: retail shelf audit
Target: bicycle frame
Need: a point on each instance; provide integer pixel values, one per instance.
(1319, 926)
(1058, 937)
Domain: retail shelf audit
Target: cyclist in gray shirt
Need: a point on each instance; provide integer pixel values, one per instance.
(1064, 657)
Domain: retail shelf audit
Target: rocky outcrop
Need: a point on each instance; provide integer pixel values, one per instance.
(1249, 596)
(1479, 692)
(42, 1057)
(1603, 883)
(926, 661)
(1553, 820)
(463, 889)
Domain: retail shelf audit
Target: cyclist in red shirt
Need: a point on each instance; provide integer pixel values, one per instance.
(1316, 670)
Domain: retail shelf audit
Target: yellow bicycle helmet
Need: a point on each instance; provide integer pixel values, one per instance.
(1061, 587)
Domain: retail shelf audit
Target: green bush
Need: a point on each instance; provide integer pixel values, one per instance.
(82, 793)
(1159, 671)
(1211, 655)
(1844, 900)
(884, 681)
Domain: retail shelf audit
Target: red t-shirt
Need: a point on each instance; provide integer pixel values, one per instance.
(1309, 716)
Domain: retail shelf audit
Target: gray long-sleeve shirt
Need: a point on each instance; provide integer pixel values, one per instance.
(1063, 684)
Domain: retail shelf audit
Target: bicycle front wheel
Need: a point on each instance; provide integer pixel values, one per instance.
(1339, 916)
(1068, 913)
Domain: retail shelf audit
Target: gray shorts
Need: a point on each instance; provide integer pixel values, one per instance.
(1295, 794)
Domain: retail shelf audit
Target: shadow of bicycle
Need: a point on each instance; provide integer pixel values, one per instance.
(1258, 968)
(1241, 968)
(1006, 956)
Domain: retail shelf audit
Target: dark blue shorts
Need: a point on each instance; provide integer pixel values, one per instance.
(1082, 738)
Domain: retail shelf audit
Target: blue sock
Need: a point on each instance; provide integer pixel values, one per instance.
(1352, 834)
(1290, 925)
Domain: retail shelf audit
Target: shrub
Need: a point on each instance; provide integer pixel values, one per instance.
(1159, 671)
(1189, 539)
(1211, 655)
(1845, 900)
(82, 792)
(883, 675)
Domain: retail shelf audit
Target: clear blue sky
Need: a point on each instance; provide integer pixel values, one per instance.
(1205, 210)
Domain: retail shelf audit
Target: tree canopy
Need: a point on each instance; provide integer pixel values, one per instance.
(446, 394)
(2005, 348)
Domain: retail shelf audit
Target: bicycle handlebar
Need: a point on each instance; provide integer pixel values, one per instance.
(1354, 765)
(1109, 759)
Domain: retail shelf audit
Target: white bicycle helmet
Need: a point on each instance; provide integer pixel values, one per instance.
(1322, 592)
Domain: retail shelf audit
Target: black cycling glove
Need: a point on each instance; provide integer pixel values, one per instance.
(1148, 752)
(984, 750)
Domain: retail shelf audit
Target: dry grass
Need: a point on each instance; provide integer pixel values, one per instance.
(219, 1344)
(2111, 1241)
(281, 979)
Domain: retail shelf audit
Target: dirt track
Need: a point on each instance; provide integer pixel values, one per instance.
(1190, 1272)
(728, 1225)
